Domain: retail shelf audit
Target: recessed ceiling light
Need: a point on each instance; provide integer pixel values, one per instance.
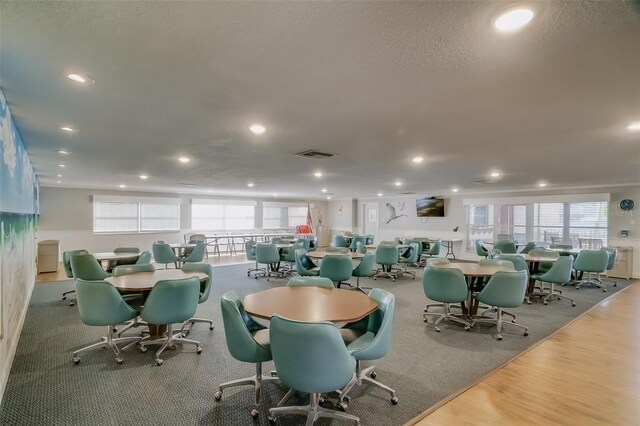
(379, 194)
(275, 194)
(318, 174)
(58, 181)
(417, 160)
(61, 165)
(328, 198)
(184, 160)
(210, 191)
(495, 174)
(257, 129)
(63, 152)
(324, 190)
(81, 78)
(58, 175)
(144, 177)
(634, 127)
(122, 185)
(455, 189)
(542, 184)
(514, 19)
(250, 184)
(397, 183)
(68, 129)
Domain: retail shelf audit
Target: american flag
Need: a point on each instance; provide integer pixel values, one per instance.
(309, 220)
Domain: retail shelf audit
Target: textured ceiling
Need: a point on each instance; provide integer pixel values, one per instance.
(374, 83)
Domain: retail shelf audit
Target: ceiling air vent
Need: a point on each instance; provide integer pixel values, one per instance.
(407, 193)
(312, 153)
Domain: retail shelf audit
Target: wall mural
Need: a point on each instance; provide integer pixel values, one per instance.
(395, 212)
(18, 222)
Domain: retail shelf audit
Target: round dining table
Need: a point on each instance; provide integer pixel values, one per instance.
(111, 257)
(320, 254)
(309, 304)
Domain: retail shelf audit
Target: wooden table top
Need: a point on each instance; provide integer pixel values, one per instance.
(181, 245)
(144, 281)
(322, 254)
(281, 246)
(399, 246)
(109, 255)
(529, 258)
(474, 269)
(310, 304)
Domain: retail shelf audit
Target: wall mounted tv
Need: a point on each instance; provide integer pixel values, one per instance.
(430, 207)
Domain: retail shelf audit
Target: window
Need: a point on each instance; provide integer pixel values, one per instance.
(588, 220)
(548, 221)
(283, 215)
(480, 221)
(512, 222)
(130, 214)
(213, 215)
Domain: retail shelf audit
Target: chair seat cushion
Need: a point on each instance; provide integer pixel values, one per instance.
(262, 338)
(360, 343)
(349, 335)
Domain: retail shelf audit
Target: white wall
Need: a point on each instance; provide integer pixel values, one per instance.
(67, 215)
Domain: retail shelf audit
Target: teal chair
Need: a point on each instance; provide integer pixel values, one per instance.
(386, 256)
(170, 302)
(560, 273)
(306, 243)
(196, 255)
(446, 286)
(337, 268)
(100, 304)
(528, 247)
(506, 246)
(247, 341)
(519, 264)
(374, 343)
(433, 262)
(410, 257)
(132, 298)
(612, 252)
(337, 250)
(361, 248)
(268, 255)
(162, 253)
(313, 244)
(339, 241)
(370, 240)
(432, 251)
(66, 263)
(504, 290)
(481, 250)
(304, 266)
(310, 358)
(132, 250)
(121, 270)
(310, 282)
(355, 240)
(493, 252)
(250, 250)
(144, 258)
(194, 238)
(543, 252)
(205, 291)
(593, 262)
(289, 257)
(364, 269)
(86, 267)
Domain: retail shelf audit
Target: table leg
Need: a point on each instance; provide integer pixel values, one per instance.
(157, 331)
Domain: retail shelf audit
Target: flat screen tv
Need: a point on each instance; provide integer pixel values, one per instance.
(430, 207)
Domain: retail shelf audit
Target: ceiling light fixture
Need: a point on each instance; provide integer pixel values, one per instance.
(324, 190)
(495, 174)
(68, 129)
(275, 194)
(250, 184)
(80, 78)
(184, 160)
(144, 177)
(542, 184)
(513, 19)
(58, 175)
(328, 198)
(58, 181)
(63, 152)
(257, 129)
(318, 174)
(61, 165)
(634, 127)
(379, 194)
(210, 191)
(454, 190)
(122, 185)
(397, 183)
(417, 160)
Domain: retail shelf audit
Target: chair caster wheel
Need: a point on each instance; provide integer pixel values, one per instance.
(426, 320)
(218, 395)
(184, 335)
(393, 280)
(320, 400)
(115, 330)
(72, 304)
(438, 329)
(254, 413)
(119, 360)
(143, 349)
(210, 327)
(528, 302)
(545, 303)
(526, 333)
(573, 304)
(274, 374)
(159, 362)
(373, 375)
(615, 284)
(76, 360)
(272, 420)
(604, 290)
(394, 400)
(499, 337)
(199, 350)
(467, 328)
(343, 406)
(64, 297)
(513, 320)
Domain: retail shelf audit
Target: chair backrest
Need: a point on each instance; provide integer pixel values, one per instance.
(542, 252)
(508, 247)
(198, 237)
(561, 241)
(310, 282)
(357, 239)
(99, 303)
(386, 254)
(497, 262)
(267, 253)
(237, 329)
(336, 250)
(380, 323)
(336, 267)
(126, 250)
(339, 241)
(250, 249)
(412, 254)
(389, 242)
(444, 284)
(527, 248)
(305, 242)
(205, 287)
(437, 261)
(144, 258)
(365, 267)
(480, 249)
(562, 246)
(162, 253)
(506, 237)
(590, 243)
(560, 271)
(612, 252)
(290, 254)
(66, 260)
(518, 262)
(309, 357)
(86, 267)
(494, 252)
(121, 270)
(434, 248)
(505, 289)
(313, 243)
(360, 248)
(369, 240)
(303, 263)
(172, 301)
(197, 254)
(589, 261)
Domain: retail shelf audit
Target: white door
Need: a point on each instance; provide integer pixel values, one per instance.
(370, 219)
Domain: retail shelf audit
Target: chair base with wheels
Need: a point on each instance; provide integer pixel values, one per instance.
(313, 411)
(386, 272)
(445, 315)
(172, 337)
(107, 341)
(499, 323)
(256, 381)
(597, 281)
(367, 375)
(184, 330)
(547, 293)
(72, 302)
(271, 271)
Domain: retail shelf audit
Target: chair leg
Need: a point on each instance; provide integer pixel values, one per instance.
(313, 411)
(166, 341)
(498, 322)
(367, 375)
(556, 293)
(184, 330)
(256, 381)
(107, 341)
(446, 315)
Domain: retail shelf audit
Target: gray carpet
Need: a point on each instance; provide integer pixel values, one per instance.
(424, 366)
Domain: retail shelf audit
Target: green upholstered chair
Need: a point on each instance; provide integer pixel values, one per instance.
(304, 266)
(432, 251)
(481, 250)
(560, 273)
(66, 263)
(162, 253)
(196, 255)
(205, 291)
(446, 286)
(339, 241)
(612, 252)
(194, 238)
(170, 302)
(306, 243)
(370, 239)
(268, 255)
(433, 262)
(506, 246)
(135, 299)
(100, 304)
(594, 263)
(86, 267)
(337, 268)
(247, 341)
(344, 250)
(310, 282)
(504, 290)
(310, 358)
(386, 256)
(514, 261)
(313, 244)
(357, 239)
(506, 237)
(410, 257)
(528, 247)
(250, 250)
(543, 252)
(121, 270)
(361, 248)
(493, 252)
(132, 250)
(289, 257)
(364, 269)
(374, 343)
(144, 258)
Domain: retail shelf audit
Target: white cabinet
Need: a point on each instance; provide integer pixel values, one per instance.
(48, 256)
(623, 267)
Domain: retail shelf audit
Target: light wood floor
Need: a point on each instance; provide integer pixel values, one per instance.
(586, 374)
